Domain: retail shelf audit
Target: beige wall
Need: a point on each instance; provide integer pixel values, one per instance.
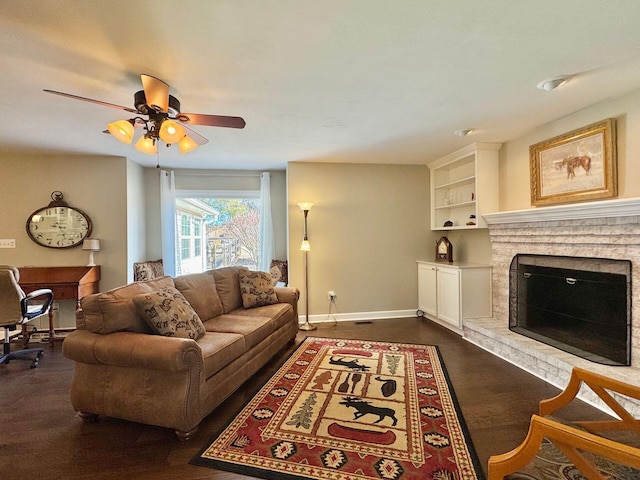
(95, 184)
(368, 226)
(136, 216)
(514, 156)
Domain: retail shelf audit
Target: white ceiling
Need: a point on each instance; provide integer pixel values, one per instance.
(367, 81)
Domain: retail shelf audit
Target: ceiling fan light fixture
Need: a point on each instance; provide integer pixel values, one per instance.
(146, 145)
(171, 132)
(164, 117)
(122, 130)
(187, 144)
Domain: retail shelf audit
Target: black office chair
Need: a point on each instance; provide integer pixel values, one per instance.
(18, 308)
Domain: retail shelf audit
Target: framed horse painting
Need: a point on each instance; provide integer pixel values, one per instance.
(575, 167)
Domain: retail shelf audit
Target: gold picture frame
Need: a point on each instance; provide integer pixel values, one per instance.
(578, 166)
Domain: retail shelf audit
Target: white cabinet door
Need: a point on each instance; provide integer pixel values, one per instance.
(449, 294)
(448, 290)
(427, 299)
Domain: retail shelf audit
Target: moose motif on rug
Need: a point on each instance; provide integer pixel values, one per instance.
(364, 407)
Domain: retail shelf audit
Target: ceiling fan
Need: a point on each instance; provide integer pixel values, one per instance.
(165, 120)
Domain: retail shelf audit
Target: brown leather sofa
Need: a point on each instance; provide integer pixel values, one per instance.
(123, 370)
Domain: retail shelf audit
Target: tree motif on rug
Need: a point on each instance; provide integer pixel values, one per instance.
(347, 410)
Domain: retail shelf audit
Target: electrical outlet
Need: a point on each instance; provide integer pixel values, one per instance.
(7, 243)
(332, 295)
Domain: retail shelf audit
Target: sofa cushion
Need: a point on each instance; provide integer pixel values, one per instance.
(114, 310)
(168, 313)
(219, 350)
(256, 289)
(253, 329)
(254, 324)
(200, 291)
(228, 286)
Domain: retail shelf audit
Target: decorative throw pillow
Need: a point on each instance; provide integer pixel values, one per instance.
(168, 313)
(279, 271)
(256, 289)
(147, 270)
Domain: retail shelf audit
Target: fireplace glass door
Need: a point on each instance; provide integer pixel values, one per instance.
(579, 305)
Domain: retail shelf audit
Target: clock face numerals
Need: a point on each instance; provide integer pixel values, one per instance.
(58, 227)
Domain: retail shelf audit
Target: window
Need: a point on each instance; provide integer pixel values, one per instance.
(185, 221)
(185, 248)
(216, 232)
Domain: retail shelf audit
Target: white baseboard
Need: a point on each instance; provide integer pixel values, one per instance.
(358, 316)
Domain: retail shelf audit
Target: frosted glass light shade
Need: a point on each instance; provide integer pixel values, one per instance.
(122, 130)
(171, 132)
(305, 206)
(146, 145)
(305, 246)
(187, 144)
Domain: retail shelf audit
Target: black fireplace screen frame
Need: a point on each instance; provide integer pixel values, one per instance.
(580, 305)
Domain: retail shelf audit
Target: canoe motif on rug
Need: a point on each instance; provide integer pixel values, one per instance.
(345, 409)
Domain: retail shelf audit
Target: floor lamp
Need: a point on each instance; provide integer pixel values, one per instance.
(306, 247)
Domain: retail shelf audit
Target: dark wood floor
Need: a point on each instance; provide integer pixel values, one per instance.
(41, 436)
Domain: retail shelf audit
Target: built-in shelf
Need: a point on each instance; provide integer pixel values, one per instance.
(456, 205)
(464, 185)
(456, 183)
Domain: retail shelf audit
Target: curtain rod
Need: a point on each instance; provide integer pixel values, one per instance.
(217, 174)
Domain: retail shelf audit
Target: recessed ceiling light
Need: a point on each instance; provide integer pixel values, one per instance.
(463, 133)
(553, 83)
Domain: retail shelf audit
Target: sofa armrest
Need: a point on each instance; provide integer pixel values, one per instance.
(130, 349)
(289, 295)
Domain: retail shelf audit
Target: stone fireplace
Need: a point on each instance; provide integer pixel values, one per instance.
(604, 229)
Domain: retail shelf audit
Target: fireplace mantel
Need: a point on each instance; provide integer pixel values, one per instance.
(575, 211)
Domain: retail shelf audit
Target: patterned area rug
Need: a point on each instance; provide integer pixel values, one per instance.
(350, 410)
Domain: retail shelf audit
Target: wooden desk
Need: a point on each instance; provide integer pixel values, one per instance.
(67, 283)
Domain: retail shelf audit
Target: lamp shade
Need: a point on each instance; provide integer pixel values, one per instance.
(305, 206)
(305, 246)
(187, 144)
(171, 132)
(146, 145)
(92, 244)
(122, 130)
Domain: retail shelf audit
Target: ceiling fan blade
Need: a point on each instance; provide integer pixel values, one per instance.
(104, 104)
(156, 92)
(211, 120)
(199, 139)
